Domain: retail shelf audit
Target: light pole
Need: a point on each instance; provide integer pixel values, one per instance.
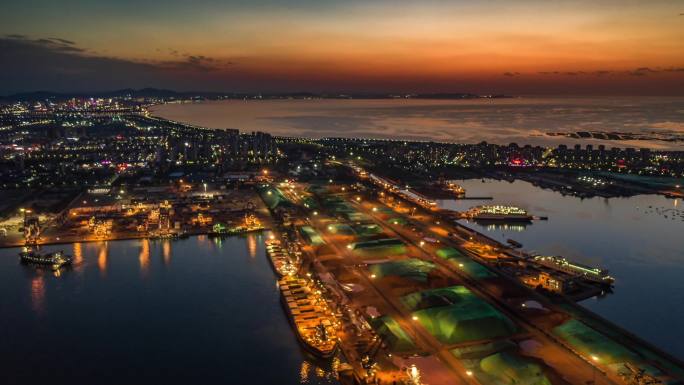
(593, 366)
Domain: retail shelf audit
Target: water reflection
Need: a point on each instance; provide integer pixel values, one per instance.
(218, 242)
(102, 257)
(304, 372)
(252, 245)
(77, 265)
(166, 252)
(502, 226)
(203, 241)
(78, 253)
(38, 294)
(311, 372)
(144, 256)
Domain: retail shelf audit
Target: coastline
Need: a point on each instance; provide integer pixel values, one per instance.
(455, 120)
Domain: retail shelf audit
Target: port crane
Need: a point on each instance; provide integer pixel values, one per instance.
(32, 228)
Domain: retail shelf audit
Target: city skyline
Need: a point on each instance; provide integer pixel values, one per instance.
(528, 47)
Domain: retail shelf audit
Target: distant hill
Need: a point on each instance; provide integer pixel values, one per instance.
(168, 94)
(145, 92)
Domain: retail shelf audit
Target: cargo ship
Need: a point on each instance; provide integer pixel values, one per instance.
(498, 213)
(55, 259)
(557, 263)
(282, 261)
(313, 321)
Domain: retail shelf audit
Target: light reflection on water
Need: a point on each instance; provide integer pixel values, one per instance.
(166, 251)
(210, 316)
(251, 244)
(102, 257)
(636, 238)
(144, 256)
(38, 293)
(78, 253)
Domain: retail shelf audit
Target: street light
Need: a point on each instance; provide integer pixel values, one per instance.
(593, 371)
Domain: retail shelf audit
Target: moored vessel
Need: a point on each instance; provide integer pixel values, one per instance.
(55, 259)
(282, 261)
(498, 212)
(593, 274)
(312, 319)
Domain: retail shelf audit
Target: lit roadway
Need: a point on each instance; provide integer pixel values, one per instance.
(572, 367)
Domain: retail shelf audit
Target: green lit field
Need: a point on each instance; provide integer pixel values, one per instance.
(273, 197)
(379, 248)
(411, 268)
(457, 259)
(456, 315)
(311, 236)
(392, 334)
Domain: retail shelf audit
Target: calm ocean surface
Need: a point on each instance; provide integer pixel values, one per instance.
(502, 121)
(639, 239)
(191, 311)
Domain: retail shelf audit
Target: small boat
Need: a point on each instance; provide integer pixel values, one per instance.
(55, 259)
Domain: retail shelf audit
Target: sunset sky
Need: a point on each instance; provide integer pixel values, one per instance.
(517, 47)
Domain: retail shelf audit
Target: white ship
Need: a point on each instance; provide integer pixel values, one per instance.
(498, 213)
(561, 264)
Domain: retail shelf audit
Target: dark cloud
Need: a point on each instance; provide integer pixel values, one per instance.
(58, 64)
(198, 63)
(511, 74)
(63, 41)
(641, 71)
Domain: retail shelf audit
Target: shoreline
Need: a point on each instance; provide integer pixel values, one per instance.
(132, 237)
(285, 113)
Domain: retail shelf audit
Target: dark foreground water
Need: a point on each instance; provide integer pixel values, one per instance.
(149, 312)
(639, 239)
